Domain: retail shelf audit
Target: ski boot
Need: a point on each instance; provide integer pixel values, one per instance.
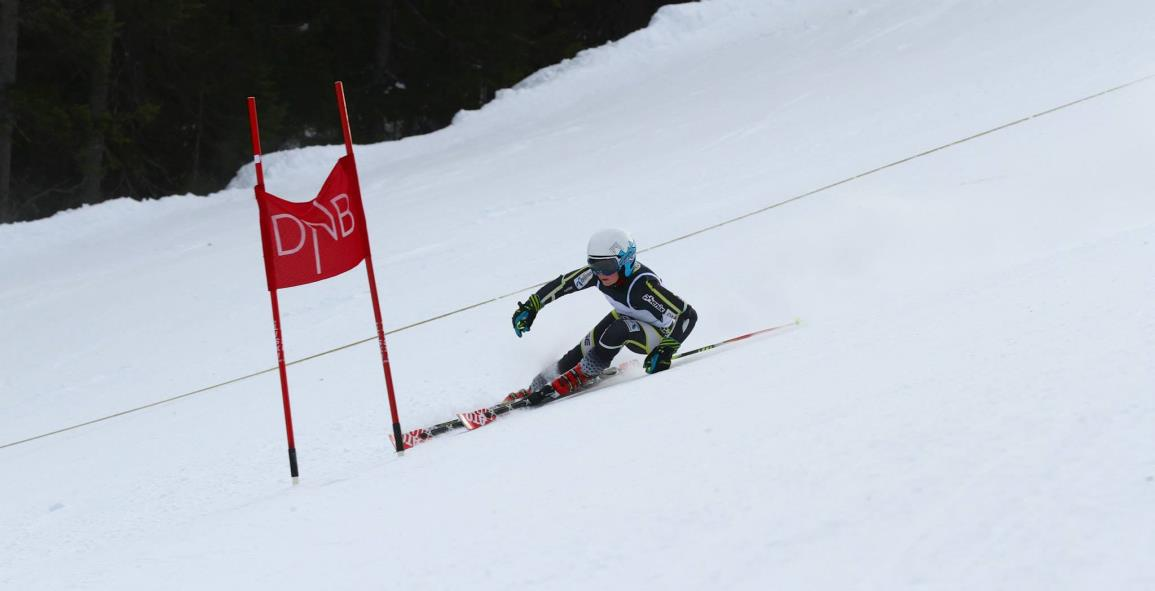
(570, 381)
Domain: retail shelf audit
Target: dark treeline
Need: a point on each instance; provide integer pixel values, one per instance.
(146, 98)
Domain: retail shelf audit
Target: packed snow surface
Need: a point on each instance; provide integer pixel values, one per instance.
(967, 403)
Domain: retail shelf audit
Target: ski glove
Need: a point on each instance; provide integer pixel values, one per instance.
(659, 359)
(526, 312)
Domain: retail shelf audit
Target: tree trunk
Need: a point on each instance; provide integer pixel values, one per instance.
(382, 79)
(9, 30)
(92, 155)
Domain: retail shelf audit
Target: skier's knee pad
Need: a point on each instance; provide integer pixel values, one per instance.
(634, 335)
(616, 334)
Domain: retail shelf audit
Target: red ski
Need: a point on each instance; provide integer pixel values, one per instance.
(477, 418)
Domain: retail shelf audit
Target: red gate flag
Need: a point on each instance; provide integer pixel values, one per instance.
(318, 239)
(312, 241)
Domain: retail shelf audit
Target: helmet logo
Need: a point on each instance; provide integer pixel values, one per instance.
(616, 245)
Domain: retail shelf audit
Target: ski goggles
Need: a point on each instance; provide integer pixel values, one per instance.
(607, 266)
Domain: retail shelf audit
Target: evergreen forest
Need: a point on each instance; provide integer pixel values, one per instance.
(102, 99)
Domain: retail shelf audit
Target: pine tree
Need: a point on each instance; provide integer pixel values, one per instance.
(9, 31)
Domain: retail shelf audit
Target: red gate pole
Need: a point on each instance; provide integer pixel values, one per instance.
(397, 437)
(272, 289)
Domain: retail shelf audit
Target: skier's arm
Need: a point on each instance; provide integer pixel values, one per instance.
(564, 284)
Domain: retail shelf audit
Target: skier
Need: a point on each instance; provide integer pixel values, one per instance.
(647, 318)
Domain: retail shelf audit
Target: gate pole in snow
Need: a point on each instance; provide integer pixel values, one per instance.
(273, 291)
(397, 437)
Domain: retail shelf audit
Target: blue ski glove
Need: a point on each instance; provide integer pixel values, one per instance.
(526, 312)
(659, 359)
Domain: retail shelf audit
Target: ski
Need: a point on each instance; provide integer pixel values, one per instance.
(484, 416)
(418, 436)
(480, 417)
(424, 434)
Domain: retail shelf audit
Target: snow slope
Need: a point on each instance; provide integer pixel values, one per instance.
(967, 404)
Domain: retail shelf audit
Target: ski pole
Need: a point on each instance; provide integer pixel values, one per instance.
(797, 321)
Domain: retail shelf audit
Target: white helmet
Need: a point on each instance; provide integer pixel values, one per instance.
(612, 250)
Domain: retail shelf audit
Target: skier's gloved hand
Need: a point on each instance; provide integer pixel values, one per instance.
(526, 312)
(659, 359)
